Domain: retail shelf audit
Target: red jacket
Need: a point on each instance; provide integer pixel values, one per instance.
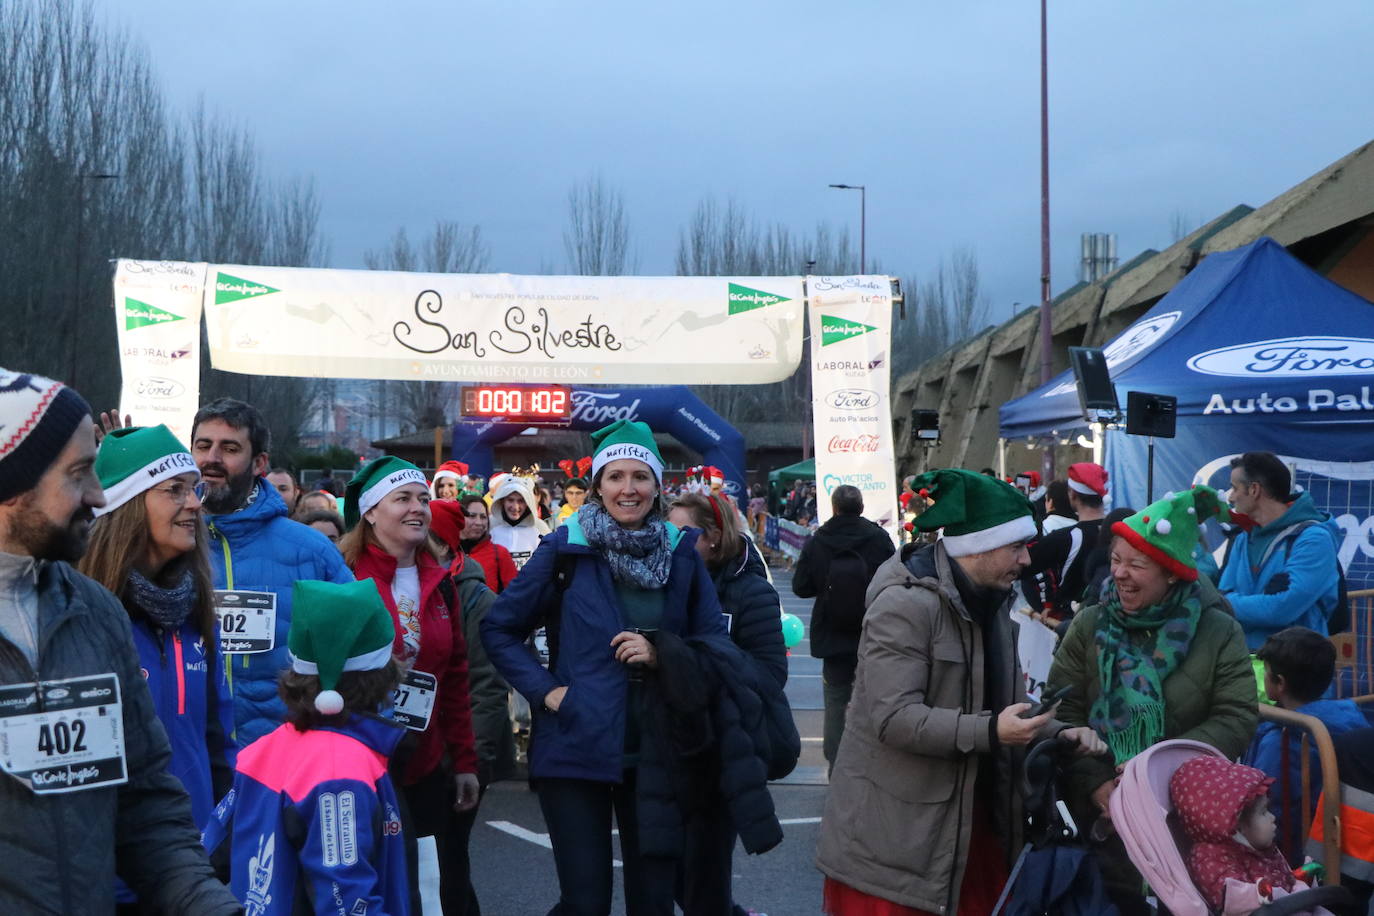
(495, 561)
(443, 653)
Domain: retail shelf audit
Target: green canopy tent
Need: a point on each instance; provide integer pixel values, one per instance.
(782, 478)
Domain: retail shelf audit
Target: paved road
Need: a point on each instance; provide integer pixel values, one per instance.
(513, 867)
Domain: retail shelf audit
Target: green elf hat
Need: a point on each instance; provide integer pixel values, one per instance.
(976, 512)
(626, 439)
(1166, 530)
(374, 481)
(337, 628)
(135, 459)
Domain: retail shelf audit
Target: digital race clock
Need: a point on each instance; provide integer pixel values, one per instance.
(530, 404)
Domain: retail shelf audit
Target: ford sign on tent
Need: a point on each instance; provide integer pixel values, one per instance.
(1263, 354)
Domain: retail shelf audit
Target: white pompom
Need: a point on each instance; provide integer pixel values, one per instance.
(329, 702)
(1163, 527)
(1169, 495)
(1192, 511)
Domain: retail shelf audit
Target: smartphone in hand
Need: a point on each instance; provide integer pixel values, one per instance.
(1048, 702)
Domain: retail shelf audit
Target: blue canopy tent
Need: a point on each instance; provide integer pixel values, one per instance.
(671, 409)
(1263, 354)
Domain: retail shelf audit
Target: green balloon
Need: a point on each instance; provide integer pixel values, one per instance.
(793, 630)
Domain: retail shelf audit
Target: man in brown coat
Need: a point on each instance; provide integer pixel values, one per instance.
(922, 786)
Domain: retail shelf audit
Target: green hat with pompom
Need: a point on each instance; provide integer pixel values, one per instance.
(975, 512)
(1166, 531)
(337, 628)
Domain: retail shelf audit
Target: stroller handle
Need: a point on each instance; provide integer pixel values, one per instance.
(1328, 896)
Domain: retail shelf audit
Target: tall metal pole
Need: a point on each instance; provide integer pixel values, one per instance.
(1046, 325)
(863, 229)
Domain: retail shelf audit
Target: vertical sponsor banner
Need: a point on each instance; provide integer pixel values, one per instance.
(157, 310)
(851, 330)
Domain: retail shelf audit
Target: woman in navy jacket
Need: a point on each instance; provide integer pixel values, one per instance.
(605, 581)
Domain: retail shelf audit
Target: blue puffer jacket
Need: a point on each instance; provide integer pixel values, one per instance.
(259, 549)
(585, 739)
(1260, 554)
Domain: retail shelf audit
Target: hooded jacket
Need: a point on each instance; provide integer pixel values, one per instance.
(443, 653)
(1209, 795)
(62, 850)
(258, 548)
(754, 611)
(585, 739)
(1258, 555)
(523, 537)
(898, 813)
(491, 731)
(809, 577)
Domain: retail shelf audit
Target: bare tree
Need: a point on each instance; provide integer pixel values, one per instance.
(450, 248)
(597, 238)
(946, 307)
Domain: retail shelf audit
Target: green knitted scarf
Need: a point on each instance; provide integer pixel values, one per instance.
(1129, 712)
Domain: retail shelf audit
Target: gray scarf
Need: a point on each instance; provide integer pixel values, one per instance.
(168, 608)
(642, 557)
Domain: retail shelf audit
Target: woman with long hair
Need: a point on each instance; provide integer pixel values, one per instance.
(387, 507)
(148, 546)
(609, 583)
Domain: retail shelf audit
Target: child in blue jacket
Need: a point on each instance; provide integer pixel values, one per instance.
(316, 826)
(1298, 667)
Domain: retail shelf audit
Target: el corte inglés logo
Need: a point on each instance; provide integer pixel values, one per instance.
(834, 330)
(744, 299)
(141, 314)
(232, 289)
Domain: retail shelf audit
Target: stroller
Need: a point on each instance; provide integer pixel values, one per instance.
(1055, 873)
(1142, 814)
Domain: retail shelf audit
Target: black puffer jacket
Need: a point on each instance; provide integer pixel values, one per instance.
(62, 850)
(706, 738)
(755, 610)
(809, 577)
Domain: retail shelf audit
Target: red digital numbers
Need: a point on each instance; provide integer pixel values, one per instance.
(512, 403)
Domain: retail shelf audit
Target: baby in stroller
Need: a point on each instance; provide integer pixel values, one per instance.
(1224, 810)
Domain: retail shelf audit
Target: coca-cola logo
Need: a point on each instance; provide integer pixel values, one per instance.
(854, 399)
(598, 409)
(845, 445)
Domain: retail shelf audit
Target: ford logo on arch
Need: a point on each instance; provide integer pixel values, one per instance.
(1289, 357)
(852, 399)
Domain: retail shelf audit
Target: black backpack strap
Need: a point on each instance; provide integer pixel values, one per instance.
(564, 569)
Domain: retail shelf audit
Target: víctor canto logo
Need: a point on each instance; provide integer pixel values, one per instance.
(1289, 357)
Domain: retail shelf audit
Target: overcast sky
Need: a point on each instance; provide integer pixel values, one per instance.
(487, 113)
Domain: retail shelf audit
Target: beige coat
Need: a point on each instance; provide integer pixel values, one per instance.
(900, 805)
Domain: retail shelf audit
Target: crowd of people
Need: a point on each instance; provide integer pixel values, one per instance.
(222, 693)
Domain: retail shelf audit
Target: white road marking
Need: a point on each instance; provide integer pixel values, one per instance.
(799, 820)
(538, 839)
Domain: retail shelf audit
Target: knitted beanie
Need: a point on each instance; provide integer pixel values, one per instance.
(37, 419)
(976, 512)
(374, 481)
(337, 628)
(626, 439)
(135, 459)
(1166, 530)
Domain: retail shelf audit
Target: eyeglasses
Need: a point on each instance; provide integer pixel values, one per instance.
(179, 492)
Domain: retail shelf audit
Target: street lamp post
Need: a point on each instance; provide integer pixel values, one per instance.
(863, 222)
(74, 334)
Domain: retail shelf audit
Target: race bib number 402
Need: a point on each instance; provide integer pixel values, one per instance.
(63, 736)
(247, 621)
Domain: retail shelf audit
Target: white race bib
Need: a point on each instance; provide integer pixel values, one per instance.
(63, 736)
(247, 621)
(413, 700)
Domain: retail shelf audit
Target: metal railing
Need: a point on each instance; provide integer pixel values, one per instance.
(1355, 648)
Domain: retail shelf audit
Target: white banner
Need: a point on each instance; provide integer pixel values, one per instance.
(851, 330)
(157, 307)
(456, 327)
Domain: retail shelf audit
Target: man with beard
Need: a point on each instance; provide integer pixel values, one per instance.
(81, 798)
(257, 554)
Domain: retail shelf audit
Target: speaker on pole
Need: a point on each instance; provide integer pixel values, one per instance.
(1152, 415)
(1096, 393)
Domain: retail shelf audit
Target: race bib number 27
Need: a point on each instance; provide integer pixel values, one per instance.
(63, 736)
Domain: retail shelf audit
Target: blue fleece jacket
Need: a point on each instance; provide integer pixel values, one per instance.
(259, 549)
(585, 739)
(1266, 753)
(1313, 583)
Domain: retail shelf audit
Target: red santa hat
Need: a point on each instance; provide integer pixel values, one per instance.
(1088, 478)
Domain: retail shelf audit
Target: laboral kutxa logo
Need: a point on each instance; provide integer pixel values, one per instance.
(834, 330)
(744, 299)
(231, 289)
(141, 314)
(1289, 357)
